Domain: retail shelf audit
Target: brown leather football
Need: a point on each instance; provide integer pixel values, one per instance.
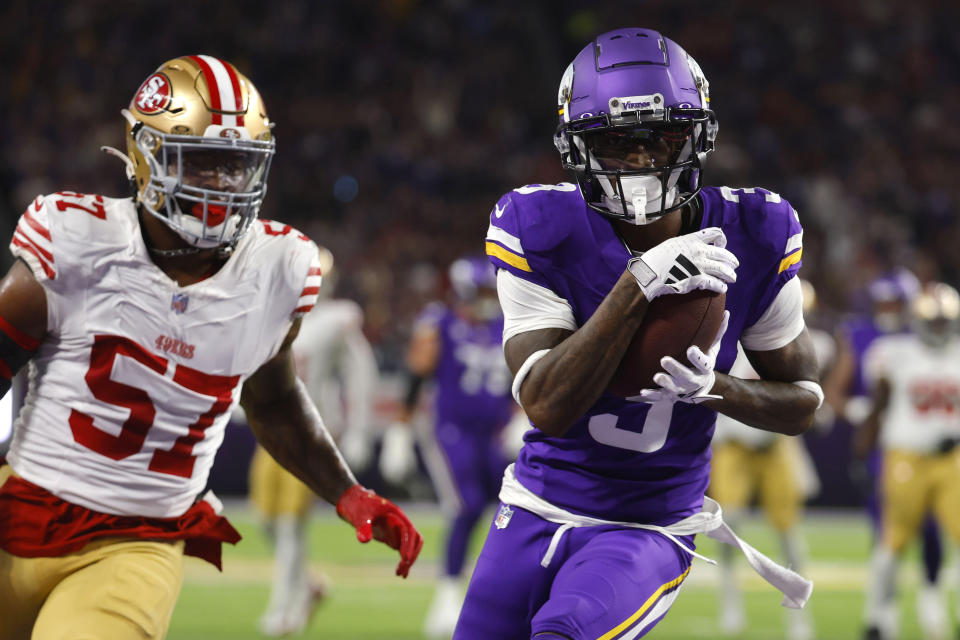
(671, 325)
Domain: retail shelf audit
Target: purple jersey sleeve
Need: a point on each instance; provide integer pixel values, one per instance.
(775, 239)
(523, 229)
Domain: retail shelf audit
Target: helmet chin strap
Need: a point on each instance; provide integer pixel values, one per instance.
(639, 197)
(128, 163)
(639, 201)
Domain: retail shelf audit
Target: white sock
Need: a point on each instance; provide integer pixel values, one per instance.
(932, 611)
(799, 621)
(290, 580)
(732, 616)
(444, 610)
(794, 550)
(881, 604)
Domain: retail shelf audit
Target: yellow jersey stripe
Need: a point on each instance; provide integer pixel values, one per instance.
(496, 251)
(620, 628)
(790, 260)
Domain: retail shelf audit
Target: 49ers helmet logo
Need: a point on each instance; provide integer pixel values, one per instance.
(153, 95)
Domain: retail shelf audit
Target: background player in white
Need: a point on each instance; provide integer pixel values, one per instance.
(915, 379)
(144, 319)
(749, 463)
(338, 367)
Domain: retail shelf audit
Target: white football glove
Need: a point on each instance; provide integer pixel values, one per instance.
(681, 383)
(398, 459)
(679, 265)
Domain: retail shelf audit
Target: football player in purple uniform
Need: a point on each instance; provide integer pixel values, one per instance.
(459, 347)
(594, 534)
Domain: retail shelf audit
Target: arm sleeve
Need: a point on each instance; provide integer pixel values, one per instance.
(875, 363)
(528, 306)
(780, 324)
(311, 284)
(360, 377)
(33, 243)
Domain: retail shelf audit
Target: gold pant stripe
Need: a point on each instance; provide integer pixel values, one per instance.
(646, 606)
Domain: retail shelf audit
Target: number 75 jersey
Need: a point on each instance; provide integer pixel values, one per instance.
(132, 388)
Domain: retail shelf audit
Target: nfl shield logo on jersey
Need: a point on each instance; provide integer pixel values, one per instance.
(503, 516)
(179, 304)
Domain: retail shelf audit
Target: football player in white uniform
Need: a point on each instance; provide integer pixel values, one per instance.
(915, 379)
(337, 365)
(144, 321)
(774, 468)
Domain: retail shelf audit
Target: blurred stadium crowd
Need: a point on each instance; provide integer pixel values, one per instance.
(401, 122)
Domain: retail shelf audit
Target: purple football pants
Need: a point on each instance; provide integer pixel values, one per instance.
(602, 582)
(472, 465)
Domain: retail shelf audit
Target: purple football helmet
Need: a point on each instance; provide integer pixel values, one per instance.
(471, 273)
(635, 124)
(890, 297)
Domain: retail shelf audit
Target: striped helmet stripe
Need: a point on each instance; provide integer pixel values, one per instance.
(224, 87)
(211, 80)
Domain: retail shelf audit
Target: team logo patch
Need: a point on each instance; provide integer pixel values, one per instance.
(154, 94)
(233, 134)
(179, 303)
(503, 517)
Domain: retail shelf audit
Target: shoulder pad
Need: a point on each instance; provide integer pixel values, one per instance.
(299, 258)
(529, 220)
(771, 222)
(66, 228)
(33, 243)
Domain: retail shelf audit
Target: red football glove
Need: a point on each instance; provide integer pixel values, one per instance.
(376, 517)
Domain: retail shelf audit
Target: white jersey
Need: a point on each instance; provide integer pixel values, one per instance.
(924, 406)
(729, 429)
(337, 365)
(132, 388)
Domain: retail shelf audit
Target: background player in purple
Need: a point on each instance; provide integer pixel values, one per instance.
(593, 535)
(459, 346)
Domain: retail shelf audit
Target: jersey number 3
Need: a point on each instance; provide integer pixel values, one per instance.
(656, 425)
(178, 460)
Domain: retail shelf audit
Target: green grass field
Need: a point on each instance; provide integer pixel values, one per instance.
(367, 602)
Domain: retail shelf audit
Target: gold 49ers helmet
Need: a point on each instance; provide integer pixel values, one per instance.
(200, 146)
(936, 313)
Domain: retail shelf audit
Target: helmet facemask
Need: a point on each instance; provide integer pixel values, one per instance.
(640, 165)
(207, 189)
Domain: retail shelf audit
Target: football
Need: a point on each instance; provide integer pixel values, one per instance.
(672, 324)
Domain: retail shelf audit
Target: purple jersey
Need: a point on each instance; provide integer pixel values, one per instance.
(860, 333)
(472, 378)
(655, 465)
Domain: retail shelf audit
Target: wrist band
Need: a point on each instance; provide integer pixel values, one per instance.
(813, 388)
(531, 360)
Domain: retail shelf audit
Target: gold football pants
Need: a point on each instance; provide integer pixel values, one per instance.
(274, 491)
(116, 588)
(915, 484)
(738, 473)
